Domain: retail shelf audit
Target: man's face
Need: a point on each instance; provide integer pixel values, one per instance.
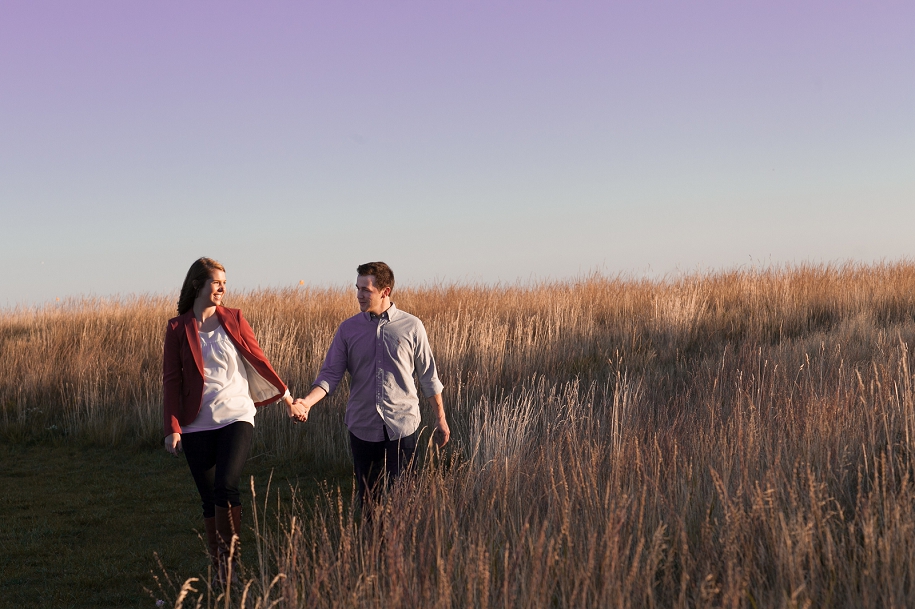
(370, 298)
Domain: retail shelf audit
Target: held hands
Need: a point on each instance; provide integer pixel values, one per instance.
(173, 443)
(297, 410)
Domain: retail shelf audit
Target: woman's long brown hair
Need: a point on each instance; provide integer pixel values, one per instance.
(200, 271)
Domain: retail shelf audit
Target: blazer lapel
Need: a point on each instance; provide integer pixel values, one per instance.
(193, 340)
(229, 325)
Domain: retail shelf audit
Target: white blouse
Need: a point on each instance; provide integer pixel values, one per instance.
(226, 398)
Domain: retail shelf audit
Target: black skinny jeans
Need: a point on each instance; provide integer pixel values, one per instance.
(216, 458)
(371, 458)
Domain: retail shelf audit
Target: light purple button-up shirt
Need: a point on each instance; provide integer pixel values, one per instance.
(381, 354)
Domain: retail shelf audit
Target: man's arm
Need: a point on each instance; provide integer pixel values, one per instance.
(328, 378)
(424, 365)
(442, 433)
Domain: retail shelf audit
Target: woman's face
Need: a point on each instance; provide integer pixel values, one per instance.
(212, 290)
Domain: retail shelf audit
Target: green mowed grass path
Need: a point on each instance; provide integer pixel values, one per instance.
(80, 527)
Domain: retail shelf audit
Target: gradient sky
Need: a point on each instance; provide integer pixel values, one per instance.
(459, 141)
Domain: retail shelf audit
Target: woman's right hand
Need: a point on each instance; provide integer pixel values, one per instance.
(173, 443)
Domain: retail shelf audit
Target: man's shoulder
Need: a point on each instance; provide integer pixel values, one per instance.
(400, 313)
(408, 320)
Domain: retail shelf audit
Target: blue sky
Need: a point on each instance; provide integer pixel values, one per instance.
(459, 142)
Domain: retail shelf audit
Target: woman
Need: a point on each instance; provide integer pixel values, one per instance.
(215, 376)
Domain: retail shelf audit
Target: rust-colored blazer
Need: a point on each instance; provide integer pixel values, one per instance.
(182, 367)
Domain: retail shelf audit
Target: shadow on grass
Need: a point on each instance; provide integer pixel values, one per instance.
(80, 526)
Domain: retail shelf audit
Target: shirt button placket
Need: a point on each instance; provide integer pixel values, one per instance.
(378, 335)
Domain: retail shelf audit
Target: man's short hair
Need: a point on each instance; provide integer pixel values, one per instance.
(384, 276)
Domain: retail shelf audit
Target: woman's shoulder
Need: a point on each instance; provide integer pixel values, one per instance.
(232, 317)
(180, 320)
(228, 312)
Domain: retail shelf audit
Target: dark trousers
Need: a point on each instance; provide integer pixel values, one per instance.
(216, 458)
(392, 457)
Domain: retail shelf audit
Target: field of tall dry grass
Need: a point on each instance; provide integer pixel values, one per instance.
(734, 439)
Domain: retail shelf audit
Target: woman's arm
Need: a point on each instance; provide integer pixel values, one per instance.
(173, 443)
(172, 384)
(247, 335)
(258, 360)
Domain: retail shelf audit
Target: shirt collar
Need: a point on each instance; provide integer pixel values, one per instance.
(390, 314)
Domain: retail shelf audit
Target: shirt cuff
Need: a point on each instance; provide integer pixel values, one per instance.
(433, 388)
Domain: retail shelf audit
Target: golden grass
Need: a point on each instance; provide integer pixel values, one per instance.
(739, 439)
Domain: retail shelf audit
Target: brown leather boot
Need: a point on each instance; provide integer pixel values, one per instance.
(209, 525)
(228, 527)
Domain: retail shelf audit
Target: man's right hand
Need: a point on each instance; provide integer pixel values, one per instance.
(173, 443)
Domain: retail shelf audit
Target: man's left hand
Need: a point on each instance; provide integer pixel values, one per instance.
(442, 433)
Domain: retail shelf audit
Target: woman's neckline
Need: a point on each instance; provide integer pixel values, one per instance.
(209, 332)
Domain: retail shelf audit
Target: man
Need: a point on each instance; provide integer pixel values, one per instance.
(381, 348)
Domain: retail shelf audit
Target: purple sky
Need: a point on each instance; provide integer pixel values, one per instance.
(458, 141)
